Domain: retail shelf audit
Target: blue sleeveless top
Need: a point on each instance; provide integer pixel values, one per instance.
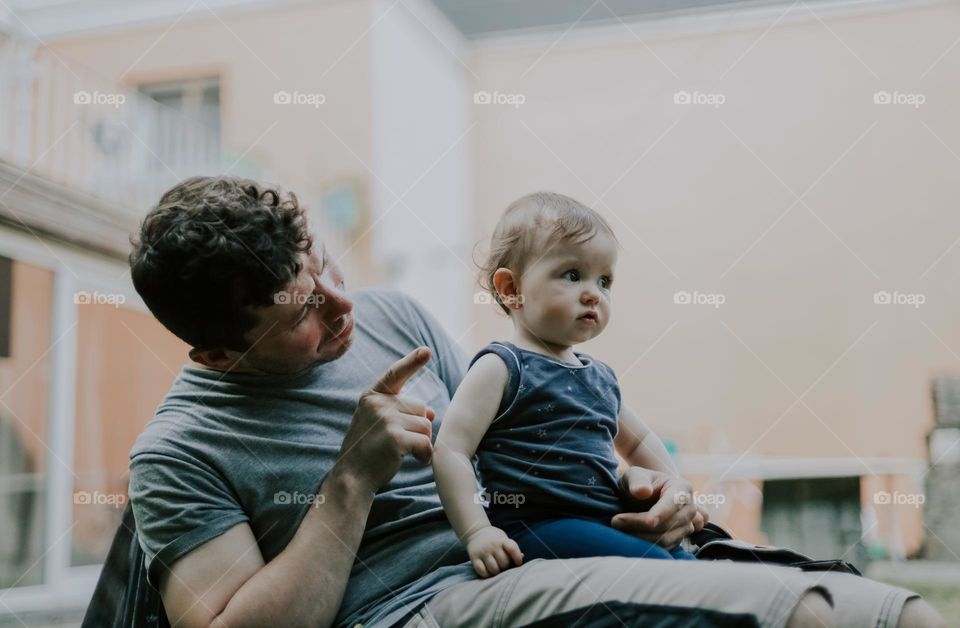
(549, 452)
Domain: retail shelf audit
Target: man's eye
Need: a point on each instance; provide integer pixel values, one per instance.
(572, 275)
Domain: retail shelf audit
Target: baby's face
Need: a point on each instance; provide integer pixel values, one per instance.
(566, 292)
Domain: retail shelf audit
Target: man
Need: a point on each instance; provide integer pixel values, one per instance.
(285, 478)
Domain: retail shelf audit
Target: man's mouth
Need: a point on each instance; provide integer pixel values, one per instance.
(345, 326)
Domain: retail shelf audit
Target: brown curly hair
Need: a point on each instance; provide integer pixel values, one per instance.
(211, 249)
(523, 226)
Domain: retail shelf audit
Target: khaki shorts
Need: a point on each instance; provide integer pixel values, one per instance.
(615, 591)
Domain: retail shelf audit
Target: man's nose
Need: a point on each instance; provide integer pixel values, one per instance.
(333, 299)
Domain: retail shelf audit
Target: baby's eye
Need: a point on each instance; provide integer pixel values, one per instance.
(605, 282)
(572, 275)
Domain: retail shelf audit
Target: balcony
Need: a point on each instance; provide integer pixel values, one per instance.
(82, 159)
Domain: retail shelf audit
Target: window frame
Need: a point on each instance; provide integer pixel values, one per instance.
(63, 587)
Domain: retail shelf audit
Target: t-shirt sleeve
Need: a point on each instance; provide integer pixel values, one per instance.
(178, 506)
(451, 361)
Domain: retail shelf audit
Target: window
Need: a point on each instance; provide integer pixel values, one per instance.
(27, 291)
(184, 127)
(83, 366)
(126, 362)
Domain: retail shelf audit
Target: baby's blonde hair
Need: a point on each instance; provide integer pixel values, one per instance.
(523, 225)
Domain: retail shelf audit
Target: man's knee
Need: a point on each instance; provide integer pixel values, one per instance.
(813, 611)
(918, 614)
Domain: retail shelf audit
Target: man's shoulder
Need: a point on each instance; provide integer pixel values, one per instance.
(162, 436)
(382, 297)
(388, 303)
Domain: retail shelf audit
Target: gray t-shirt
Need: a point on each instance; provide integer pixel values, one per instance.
(227, 448)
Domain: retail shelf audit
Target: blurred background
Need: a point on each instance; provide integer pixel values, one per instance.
(782, 177)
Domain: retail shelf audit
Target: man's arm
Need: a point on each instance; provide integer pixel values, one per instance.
(225, 583)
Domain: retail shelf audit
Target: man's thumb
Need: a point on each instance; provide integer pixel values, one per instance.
(641, 490)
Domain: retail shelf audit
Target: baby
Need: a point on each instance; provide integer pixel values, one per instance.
(542, 419)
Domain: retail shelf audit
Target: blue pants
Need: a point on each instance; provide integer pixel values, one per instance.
(582, 538)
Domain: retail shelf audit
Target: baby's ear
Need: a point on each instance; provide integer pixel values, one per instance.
(508, 287)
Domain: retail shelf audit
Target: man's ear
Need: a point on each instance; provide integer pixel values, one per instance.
(217, 359)
(507, 286)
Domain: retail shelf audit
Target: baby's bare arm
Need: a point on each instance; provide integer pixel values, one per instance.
(639, 446)
(471, 411)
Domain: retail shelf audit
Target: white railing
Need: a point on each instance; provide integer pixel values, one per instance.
(103, 140)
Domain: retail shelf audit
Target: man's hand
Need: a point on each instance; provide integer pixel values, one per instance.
(492, 551)
(662, 507)
(386, 427)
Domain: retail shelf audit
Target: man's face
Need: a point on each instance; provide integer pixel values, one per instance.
(309, 322)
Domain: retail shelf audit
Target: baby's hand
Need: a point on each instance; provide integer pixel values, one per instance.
(491, 551)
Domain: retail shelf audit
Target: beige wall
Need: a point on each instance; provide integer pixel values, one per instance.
(699, 197)
(256, 54)
(800, 299)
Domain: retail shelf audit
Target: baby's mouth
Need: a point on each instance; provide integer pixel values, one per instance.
(590, 316)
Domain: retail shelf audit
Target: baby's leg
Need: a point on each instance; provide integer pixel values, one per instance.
(681, 554)
(580, 538)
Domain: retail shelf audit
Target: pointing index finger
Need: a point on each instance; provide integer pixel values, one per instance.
(398, 374)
